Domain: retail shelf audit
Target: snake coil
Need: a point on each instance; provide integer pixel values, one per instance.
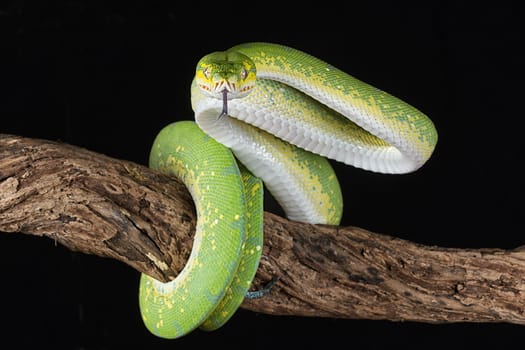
(270, 112)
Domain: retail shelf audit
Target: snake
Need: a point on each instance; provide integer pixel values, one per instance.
(267, 116)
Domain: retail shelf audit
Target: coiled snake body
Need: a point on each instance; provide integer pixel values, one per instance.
(281, 112)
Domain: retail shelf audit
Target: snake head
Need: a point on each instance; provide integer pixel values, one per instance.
(230, 72)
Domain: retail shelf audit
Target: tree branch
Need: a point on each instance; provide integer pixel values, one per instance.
(113, 208)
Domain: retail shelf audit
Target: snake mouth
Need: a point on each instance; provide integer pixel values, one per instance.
(234, 90)
(225, 85)
(246, 88)
(204, 87)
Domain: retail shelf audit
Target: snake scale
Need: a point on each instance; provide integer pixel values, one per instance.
(273, 113)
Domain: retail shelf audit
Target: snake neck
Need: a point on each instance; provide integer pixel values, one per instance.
(285, 169)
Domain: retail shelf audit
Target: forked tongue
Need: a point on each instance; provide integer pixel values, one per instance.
(224, 103)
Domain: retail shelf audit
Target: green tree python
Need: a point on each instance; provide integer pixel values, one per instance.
(281, 113)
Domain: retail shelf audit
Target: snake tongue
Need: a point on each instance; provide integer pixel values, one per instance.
(224, 103)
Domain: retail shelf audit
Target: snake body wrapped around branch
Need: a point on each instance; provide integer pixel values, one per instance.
(272, 113)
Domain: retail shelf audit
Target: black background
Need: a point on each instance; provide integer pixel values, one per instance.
(108, 76)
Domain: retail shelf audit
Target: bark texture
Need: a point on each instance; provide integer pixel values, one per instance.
(114, 208)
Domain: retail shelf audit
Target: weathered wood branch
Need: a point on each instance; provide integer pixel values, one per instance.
(113, 208)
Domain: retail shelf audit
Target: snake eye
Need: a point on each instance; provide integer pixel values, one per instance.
(244, 73)
(207, 72)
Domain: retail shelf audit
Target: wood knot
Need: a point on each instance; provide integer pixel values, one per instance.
(8, 187)
(112, 188)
